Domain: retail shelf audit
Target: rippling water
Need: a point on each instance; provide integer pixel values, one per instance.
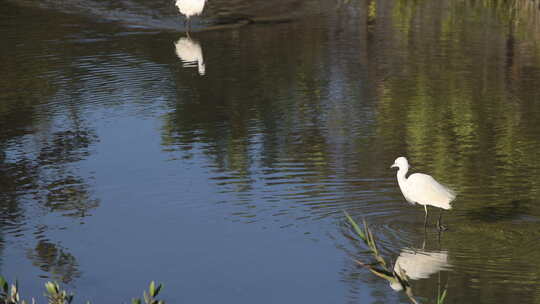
(220, 163)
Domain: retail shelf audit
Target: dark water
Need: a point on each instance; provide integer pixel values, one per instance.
(226, 175)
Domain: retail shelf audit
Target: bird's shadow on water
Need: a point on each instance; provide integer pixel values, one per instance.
(411, 263)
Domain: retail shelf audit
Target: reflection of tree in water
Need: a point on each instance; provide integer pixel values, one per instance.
(54, 259)
(48, 176)
(14, 177)
(66, 146)
(64, 191)
(70, 196)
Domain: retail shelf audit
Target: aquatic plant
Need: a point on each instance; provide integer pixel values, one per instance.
(150, 297)
(441, 296)
(10, 295)
(56, 295)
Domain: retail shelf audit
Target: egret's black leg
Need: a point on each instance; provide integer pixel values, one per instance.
(439, 222)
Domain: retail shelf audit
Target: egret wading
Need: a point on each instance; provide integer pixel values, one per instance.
(190, 8)
(423, 189)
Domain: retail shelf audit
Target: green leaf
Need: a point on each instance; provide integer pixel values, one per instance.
(136, 301)
(382, 273)
(440, 299)
(371, 240)
(152, 289)
(366, 233)
(146, 298)
(158, 289)
(13, 289)
(355, 227)
(51, 288)
(4, 284)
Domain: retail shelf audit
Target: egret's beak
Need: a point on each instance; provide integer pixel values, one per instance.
(393, 166)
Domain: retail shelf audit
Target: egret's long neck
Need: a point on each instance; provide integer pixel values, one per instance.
(401, 176)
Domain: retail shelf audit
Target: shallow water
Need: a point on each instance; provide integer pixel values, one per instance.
(221, 163)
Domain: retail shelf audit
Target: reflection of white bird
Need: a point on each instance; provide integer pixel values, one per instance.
(422, 189)
(418, 264)
(190, 8)
(190, 53)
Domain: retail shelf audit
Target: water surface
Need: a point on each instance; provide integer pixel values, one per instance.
(221, 163)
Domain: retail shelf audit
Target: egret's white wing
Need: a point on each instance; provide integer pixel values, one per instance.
(190, 7)
(424, 189)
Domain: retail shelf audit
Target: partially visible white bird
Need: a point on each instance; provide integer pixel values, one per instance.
(422, 189)
(418, 264)
(190, 53)
(190, 8)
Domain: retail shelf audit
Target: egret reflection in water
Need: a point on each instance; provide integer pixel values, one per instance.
(190, 53)
(419, 264)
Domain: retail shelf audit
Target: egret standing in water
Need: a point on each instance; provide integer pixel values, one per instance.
(423, 189)
(190, 8)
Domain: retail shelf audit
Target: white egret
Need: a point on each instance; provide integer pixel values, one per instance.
(190, 8)
(418, 264)
(190, 52)
(422, 189)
